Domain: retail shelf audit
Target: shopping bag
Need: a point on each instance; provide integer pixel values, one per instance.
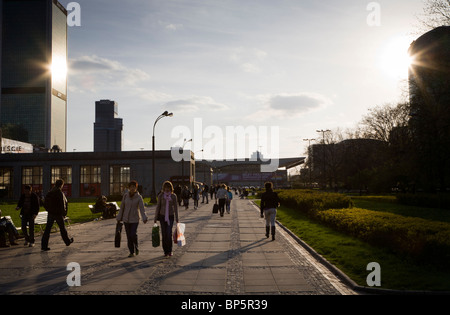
(181, 240)
(118, 235)
(175, 236)
(156, 240)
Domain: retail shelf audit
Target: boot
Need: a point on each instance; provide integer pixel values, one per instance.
(273, 233)
(267, 231)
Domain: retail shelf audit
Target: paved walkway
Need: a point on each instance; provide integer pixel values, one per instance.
(223, 255)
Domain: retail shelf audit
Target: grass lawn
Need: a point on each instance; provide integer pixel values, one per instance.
(78, 212)
(352, 256)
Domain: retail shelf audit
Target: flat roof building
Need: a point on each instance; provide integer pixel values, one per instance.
(88, 174)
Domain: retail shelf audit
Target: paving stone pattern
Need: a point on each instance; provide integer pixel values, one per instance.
(227, 255)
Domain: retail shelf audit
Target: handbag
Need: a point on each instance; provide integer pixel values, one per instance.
(118, 236)
(215, 208)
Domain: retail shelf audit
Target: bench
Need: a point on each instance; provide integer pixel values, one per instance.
(41, 219)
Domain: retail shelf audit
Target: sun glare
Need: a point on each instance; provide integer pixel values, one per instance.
(394, 58)
(58, 69)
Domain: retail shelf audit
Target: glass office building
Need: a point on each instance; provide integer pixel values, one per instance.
(33, 54)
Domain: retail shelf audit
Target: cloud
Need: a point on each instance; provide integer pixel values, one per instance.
(297, 103)
(92, 72)
(284, 106)
(248, 60)
(195, 103)
(173, 27)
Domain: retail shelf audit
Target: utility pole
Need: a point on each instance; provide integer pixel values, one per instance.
(323, 155)
(309, 158)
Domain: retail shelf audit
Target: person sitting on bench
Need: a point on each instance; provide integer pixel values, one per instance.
(108, 210)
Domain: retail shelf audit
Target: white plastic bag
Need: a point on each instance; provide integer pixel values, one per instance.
(181, 240)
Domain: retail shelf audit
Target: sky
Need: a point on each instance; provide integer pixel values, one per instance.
(271, 71)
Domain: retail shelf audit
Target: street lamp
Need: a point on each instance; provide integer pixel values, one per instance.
(324, 171)
(323, 133)
(153, 195)
(309, 158)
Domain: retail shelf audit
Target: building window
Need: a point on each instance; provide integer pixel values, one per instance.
(6, 182)
(90, 181)
(119, 177)
(64, 173)
(33, 176)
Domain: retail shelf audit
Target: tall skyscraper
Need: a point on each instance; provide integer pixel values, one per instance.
(33, 73)
(107, 127)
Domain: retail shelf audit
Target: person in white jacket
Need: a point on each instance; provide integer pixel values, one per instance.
(131, 210)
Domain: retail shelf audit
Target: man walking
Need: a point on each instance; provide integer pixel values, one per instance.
(56, 205)
(29, 205)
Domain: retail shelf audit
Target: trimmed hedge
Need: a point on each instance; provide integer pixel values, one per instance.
(419, 238)
(309, 201)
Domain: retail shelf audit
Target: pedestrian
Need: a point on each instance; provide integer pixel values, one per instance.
(131, 210)
(205, 192)
(185, 194)
(269, 204)
(166, 213)
(222, 195)
(196, 196)
(177, 192)
(29, 205)
(228, 202)
(211, 191)
(55, 203)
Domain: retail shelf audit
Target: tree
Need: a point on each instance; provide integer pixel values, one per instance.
(436, 13)
(381, 120)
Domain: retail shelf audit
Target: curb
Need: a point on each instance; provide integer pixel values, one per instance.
(347, 280)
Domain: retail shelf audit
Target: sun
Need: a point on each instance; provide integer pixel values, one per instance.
(58, 69)
(394, 59)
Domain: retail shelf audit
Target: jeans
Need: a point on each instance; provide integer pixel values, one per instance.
(28, 220)
(62, 228)
(131, 230)
(166, 233)
(222, 206)
(270, 215)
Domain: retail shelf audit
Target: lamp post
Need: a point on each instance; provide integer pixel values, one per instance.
(323, 155)
(309, 158)
(153, 195)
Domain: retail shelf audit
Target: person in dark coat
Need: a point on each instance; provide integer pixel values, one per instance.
(269, 204)
(56, 205)
(29, 205)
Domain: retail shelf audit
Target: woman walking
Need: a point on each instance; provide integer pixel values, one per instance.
(167, 212)
(132, 205)
(196, 196)
(269, 204)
